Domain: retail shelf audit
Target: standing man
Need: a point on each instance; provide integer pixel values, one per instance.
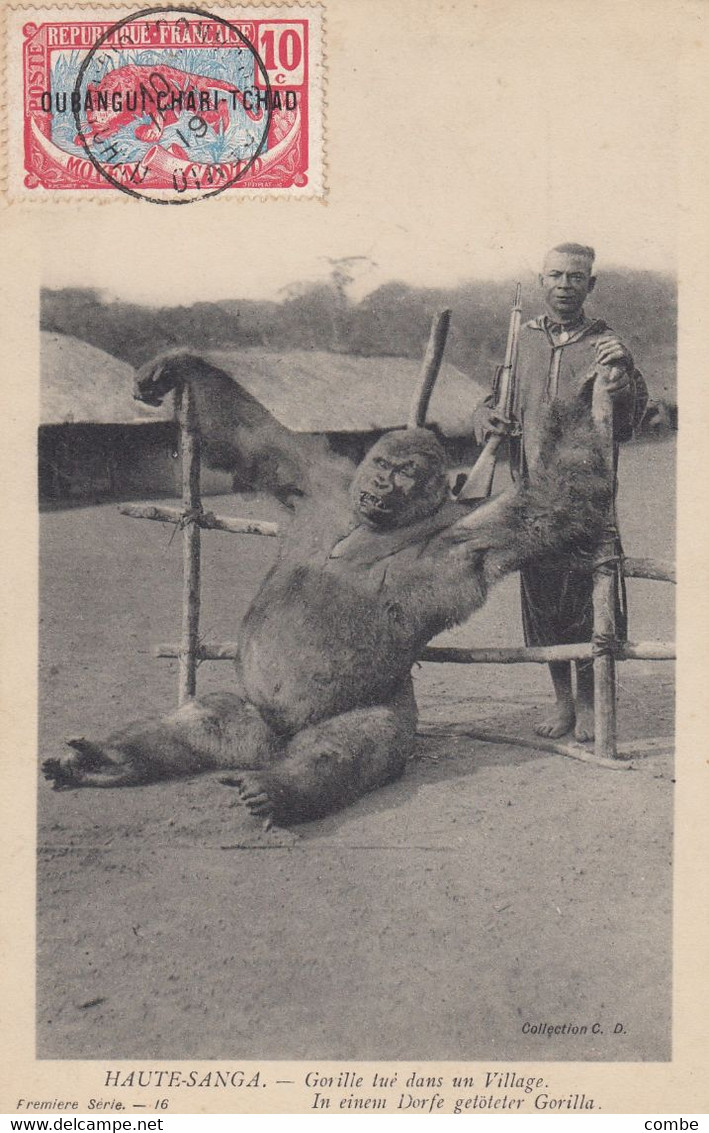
(560, 354)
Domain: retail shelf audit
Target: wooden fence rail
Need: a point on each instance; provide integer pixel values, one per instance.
(207, 520)
(452, 655)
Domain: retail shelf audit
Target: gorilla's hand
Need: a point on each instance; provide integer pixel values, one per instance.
(156, 378)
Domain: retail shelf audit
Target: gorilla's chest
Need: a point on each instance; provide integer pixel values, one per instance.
(320, 640)
(335, 605)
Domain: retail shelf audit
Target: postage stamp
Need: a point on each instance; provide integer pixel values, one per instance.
(170, 104)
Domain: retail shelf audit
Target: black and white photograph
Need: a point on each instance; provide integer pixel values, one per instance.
(352, 543)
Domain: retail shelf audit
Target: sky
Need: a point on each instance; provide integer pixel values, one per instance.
(449, 156)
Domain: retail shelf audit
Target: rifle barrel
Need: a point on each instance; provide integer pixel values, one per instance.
(479, 482)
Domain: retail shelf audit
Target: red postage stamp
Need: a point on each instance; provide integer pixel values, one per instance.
(167, 104)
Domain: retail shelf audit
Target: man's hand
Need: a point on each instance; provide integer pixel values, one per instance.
(610, 351)
(488, 422)
(616, 381)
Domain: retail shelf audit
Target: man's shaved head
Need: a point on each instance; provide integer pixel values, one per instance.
(566, 280)
(583, 250)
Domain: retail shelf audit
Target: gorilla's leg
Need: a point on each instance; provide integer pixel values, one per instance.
(222, 730)
(333, 763)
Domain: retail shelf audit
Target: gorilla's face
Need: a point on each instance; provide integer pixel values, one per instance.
(401, 480)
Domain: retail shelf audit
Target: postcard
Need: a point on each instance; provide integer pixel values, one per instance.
(354, 738)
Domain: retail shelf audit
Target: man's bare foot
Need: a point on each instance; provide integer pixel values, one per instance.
(585, 718)
(585, 723)
(559, 723)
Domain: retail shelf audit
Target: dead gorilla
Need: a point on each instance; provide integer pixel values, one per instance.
(376, 563)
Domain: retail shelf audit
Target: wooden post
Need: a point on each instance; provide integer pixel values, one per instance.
(604, 627)
(604, 664)
(429, 369)
(189, 448)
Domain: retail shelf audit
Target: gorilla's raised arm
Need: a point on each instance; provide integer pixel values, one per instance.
(561, 510)
(240, 436)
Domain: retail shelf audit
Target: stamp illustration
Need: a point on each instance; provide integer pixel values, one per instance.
(169, 104)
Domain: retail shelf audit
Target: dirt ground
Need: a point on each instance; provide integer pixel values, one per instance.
(491, 890)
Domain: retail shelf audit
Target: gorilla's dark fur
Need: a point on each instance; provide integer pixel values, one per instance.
(376, 562)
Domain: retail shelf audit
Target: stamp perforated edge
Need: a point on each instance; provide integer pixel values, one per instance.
(12, 189)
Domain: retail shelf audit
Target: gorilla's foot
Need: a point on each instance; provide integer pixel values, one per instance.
(90, 764)
(559, 723)
(253, 794)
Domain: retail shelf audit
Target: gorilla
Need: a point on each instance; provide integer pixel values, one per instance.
(376, 562)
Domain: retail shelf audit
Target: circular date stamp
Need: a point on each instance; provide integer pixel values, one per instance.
(166, 133)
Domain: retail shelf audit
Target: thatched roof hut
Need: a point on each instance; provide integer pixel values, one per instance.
(82, 385)
(96, 441)
(311, 391)
(315, 391)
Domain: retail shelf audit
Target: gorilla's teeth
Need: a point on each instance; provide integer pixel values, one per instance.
(370, 500)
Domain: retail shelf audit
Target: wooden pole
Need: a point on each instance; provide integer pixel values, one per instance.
(604, 627)
(543, 654)
(650, 569)
(429, 369)
(560, 747)
(494, 655)
(205, 519)
(189, 644)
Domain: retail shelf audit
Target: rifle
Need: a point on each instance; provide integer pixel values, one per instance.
(479, 483)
